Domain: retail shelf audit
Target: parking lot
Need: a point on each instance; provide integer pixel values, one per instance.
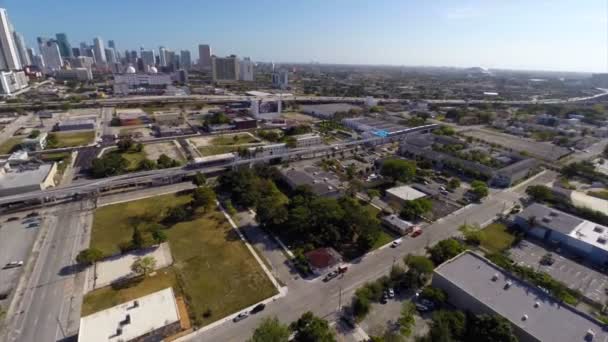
(16, 239)
(589, 282)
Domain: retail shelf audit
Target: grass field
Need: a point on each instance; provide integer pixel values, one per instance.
(213, 150)
(213, 268)
(496, 238)
(230, 140)
(384, 238)
(8, 145)
(72, 139)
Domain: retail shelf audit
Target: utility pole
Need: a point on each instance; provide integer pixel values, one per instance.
(340, 300)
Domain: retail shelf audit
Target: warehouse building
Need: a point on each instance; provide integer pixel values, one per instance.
(320, 182)
(26, 177)
(403, 193)
(75, 125)
(148, 318)
(473, 283)
(582, 237)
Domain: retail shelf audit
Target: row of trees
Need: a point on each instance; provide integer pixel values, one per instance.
(458, 326)
(308, 328)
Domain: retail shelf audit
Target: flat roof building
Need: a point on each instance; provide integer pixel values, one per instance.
(474, 283)
(26, 178)
(75, 125)
(321, 183)
(404, 193)
(148, 318)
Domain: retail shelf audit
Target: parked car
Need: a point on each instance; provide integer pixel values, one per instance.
(422, 308)
(12, 218)
(547, 259)
(391, 293)
(32, 214)
(384, 299)
(416, 232)
(396, 243)
(240, 316)
(14, 264)
(331, 275)
(258, 308)
(342, 269)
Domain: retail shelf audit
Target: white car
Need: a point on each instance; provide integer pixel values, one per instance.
(241, 316)
(396, 242)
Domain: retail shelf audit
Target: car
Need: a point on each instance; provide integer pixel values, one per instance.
(442, 188)
(12, 218)
(422, 308)
(32, 214)
(384, 299)
(416, 232)
(391, 293)
(14, 264)
(429, 304)
(240, 316)
(331, 275)
(396, 243)
(258, 308)
(342, 269)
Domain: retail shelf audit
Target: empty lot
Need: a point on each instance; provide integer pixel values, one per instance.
(541, 150)
(153, 151)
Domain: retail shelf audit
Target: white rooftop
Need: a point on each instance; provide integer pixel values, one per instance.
(152, 312)
(591, 233)
(406, 193)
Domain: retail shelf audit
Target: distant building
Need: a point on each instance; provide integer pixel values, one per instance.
(185, 59)
(129, 117)
(12, 81)
(225, 69)
(149, 318)
(404, 193)
(204, 57)
(398, 225)
(22, 49)
(25, 178)
(9, 53)
(49, 49)
(268, 150)
(245, 123)
(173, 131)
(75, 125)
(99, 51)
(320, 182)
(307, 140)
(34, 144)
(168, 118)
(473, 283)
(74, 74)
(280, 79)
(125, 83)
(65, 49)
(323, 260)
(147, 58)
(246, 70)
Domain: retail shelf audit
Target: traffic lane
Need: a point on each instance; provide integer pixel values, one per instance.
(16, 241)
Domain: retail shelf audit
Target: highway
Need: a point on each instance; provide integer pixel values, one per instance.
(47, 301)
(324, 298)
(302, 99)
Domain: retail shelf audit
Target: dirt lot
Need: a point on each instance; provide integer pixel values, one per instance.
(213, 140)
(545, 151)
(143, 130)
(299, 117)
(153, 151)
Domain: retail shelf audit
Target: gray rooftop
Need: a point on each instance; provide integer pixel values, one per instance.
(550, 218)
(550, 321)
(25, 176)
(321, 182)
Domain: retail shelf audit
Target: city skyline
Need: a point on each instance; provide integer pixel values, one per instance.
(492, 34)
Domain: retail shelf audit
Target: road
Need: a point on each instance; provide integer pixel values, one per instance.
(324, 298)
(589, 153)
(47, 305)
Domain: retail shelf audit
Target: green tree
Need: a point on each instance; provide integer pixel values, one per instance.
(270, 330)
(540, 193)
(412, 209)
(406, 320)
(89, 256)
(177, 214)
(199, 179)
(203, 197)
(291, 142)
(125, 144)
(398, 170)
(444, 250)
(434, 294)
(448, 326)
(137, 238)
(164, 162)
(143, 266)
(146, 164)
(34, 134)
(110, 164)
(454, 183)
(489, 328)
(479, 188)
(310, 328)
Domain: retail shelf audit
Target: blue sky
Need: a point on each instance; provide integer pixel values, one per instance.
(519, 34)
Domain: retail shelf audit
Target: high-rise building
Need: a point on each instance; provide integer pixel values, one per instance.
(111, 44)
(64, 45)
(162, 55)
(24, 58)
(246, 69)
(76, 52)
(49, 49)
(280, 79)
(186, 59)
(99, 50)
(147, 57)
(225, 68)
(204, 57)
(9, 56)
(31, 54)
(110, 55)
(38, 61)
(170, 59)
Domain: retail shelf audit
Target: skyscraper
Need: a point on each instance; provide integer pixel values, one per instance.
(49, 49)
(24, 58)
(111, 44)
(110, 55)
(9, 56)
(162, 55)
(280, 79)
(99, 50)
(246, 69)
(204, 57)
(31, 54)
(225, 68)
(186, 60)
(147, 58)
(64, 45)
